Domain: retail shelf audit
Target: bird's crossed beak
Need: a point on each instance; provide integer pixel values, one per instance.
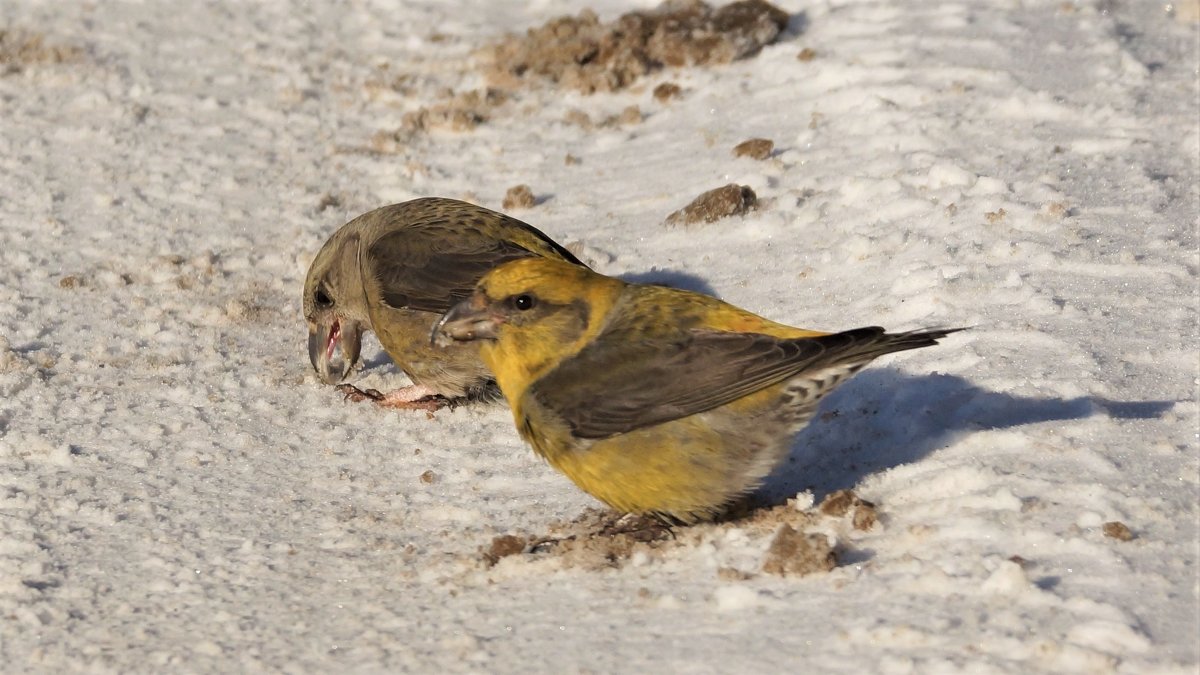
(333, 348)
(466, 321)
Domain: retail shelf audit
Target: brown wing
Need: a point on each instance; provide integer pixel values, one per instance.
(442, 249)
(614, 386)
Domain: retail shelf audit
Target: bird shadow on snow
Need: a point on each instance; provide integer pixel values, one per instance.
(884, 418)
(670, 278)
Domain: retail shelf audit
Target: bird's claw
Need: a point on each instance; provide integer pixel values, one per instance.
(353, 393)
(639, 528)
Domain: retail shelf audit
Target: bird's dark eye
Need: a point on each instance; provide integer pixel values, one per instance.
(523, 302)
(322, 298)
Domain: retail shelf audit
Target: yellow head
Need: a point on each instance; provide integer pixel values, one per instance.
(530, 314)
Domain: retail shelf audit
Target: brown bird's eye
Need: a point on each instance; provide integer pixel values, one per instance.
(322, 298)
(524, 302)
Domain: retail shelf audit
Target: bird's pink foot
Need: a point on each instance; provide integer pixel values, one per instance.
(406, 398)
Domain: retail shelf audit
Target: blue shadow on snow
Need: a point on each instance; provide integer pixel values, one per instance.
(884, 418)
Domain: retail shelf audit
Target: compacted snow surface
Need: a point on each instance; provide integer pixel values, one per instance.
(179, 494)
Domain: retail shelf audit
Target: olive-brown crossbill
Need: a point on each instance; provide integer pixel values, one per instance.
(396, 270)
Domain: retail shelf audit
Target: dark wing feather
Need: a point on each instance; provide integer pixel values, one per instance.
(437, 257)
(650, 382)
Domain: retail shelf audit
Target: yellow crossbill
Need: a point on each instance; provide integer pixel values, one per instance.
(395, 270)
(656, 401)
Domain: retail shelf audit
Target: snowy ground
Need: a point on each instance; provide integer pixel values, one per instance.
(178, 493)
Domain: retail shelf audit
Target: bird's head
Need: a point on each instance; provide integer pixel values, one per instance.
(335, 306)
(529, 314)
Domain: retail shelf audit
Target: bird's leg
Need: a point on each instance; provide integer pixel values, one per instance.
(416, 397)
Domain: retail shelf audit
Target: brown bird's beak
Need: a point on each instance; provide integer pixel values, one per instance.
(466, 321)
(333, 348)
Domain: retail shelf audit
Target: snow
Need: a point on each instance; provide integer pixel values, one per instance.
(177, 492)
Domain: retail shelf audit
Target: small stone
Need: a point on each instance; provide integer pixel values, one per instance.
(1055, 211)
(70, 281)
(428, 477)
(730, 200)
(1117, 530)
(630, 115)
(733, 574)
(579, 118)
(755, 148)
(838, 503)
(865, 516)
(518, 197)
(503, 546)
(667, 91)
(328, 200)
(807, 54)
(795, 554)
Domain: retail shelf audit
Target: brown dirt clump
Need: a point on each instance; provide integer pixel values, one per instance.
(518, 197)
(863, 514)
(19, 49)
(793, 553)
(667, 91)
(730, 200)
(755, 148)
(629, 116)
(838, 503)
(1117, 530)
(806, 54)
(580, 52)
(459, 112)
(502, 547)
(602, 539)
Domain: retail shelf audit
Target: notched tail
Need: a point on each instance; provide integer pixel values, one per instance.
(867, 344)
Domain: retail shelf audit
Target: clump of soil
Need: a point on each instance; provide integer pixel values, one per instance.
(19, 49)
(503, 546)
(459, 112)
(730, 200)
(1117, 530)
(841, 502)
(755, 148)
(518, 197)
(667, 91)
(629, 116)
(580, 52)
(602, 539)
(796, 554)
